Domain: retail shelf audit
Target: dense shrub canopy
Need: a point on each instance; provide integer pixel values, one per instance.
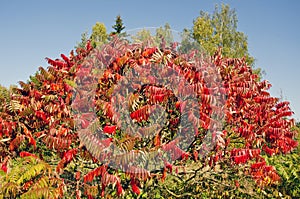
(67, 120)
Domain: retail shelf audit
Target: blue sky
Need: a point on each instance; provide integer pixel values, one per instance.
(32, 30)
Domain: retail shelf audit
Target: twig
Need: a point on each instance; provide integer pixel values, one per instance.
(175, 195)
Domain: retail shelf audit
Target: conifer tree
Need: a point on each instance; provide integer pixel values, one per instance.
(118, 27)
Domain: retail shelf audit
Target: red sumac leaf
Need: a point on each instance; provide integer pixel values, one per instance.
(16, 142)
(109, 129)
(241, 159)
(4, 165)
(119, 189)
(257, 165)
(68, 157)
(134, 186)
(25, 154)
(84, 123)
(66, 59)
(92, 174)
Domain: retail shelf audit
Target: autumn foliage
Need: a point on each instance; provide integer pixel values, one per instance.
(48, 120)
